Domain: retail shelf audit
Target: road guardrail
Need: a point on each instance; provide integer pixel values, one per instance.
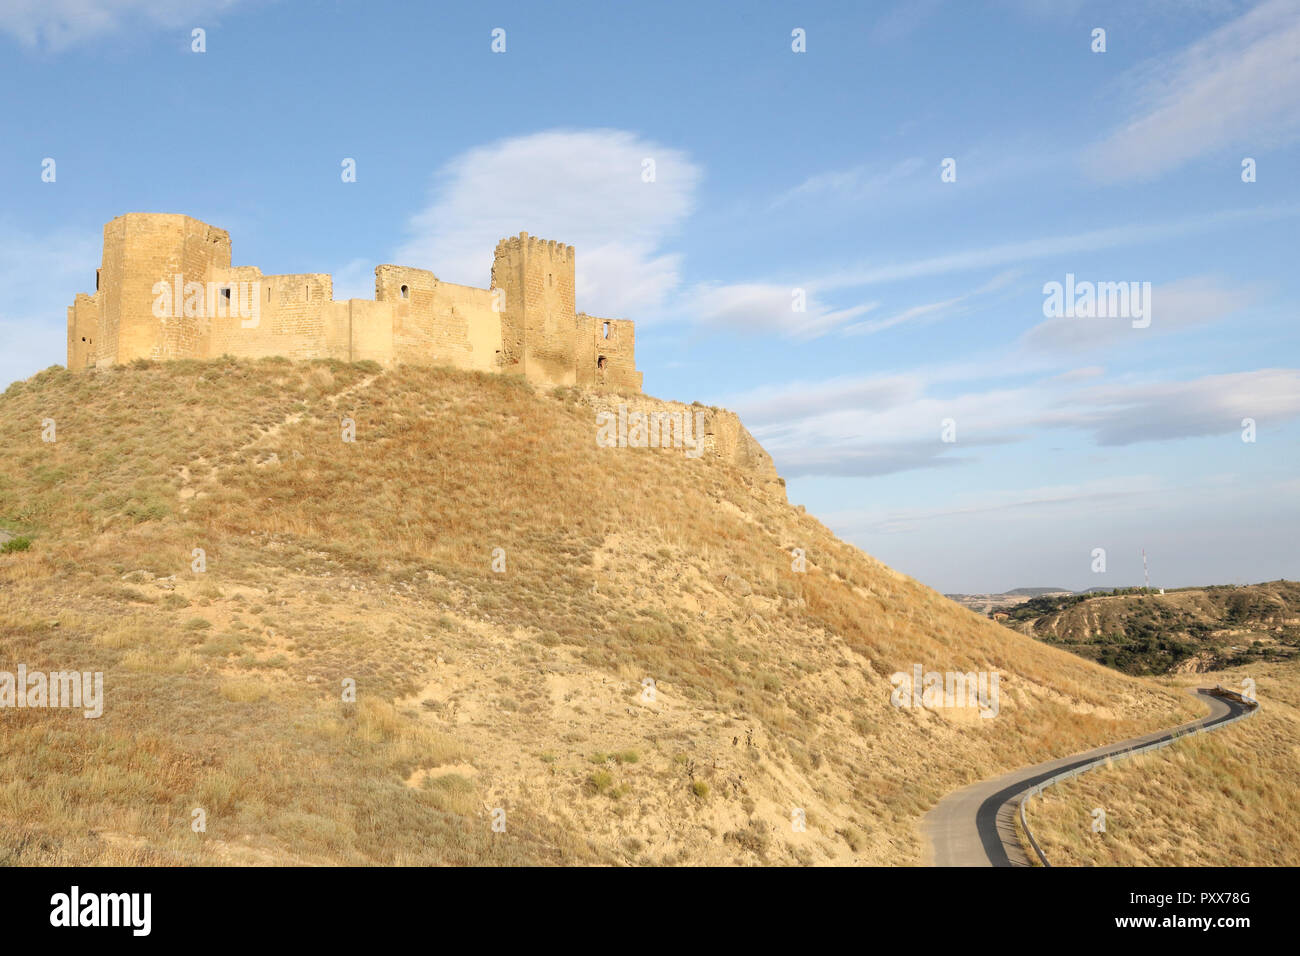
(1219, 691)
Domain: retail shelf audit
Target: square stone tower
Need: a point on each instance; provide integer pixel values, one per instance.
(140, 250)
(538, 325)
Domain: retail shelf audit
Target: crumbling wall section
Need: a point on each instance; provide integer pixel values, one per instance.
(605, 353)
(722, 435)
(83, 329)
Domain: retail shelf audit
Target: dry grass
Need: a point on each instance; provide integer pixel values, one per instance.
(372, 562)
(1225, 798)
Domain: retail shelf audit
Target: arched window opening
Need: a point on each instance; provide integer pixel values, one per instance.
(406, 292)
(606, 330)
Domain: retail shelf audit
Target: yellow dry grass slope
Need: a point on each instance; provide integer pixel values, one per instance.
(522, 690)
(1225, 798)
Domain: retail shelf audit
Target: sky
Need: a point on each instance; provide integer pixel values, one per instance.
(851, 244)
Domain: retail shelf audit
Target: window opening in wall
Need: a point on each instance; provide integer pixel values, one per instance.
(600, 362)
(268, 293)
(406, 292)
(606, 330)
(308, 293)
(225, 294)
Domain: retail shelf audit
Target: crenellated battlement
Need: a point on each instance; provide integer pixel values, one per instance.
(166, 289)
(534, 245)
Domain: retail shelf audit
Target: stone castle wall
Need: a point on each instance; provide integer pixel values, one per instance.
(524, 325)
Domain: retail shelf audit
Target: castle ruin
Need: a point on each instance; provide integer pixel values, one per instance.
(166, 289)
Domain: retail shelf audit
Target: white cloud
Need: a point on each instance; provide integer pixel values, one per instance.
(580, 187)
(57, 25)
(1237, 87)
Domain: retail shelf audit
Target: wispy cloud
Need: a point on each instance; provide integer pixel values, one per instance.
(1010, 253)
(1237, 87)
(930, 311)
(1081, 374)
(761, 307)
(876, 425)
(1045, 498)
(856, 183)
(798, 400)
(1212, 405)
(903, 20)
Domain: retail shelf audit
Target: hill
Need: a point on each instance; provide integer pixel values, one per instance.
(1190, 629)
(201, 535)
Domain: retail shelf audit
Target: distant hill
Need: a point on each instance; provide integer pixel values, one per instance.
(986, 603)
(1189, 629)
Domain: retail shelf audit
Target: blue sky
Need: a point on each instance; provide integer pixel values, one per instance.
(775, 171)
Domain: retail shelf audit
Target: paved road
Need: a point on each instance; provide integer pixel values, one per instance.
(975, 826)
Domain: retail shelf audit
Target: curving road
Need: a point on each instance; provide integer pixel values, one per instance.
(975, 826)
